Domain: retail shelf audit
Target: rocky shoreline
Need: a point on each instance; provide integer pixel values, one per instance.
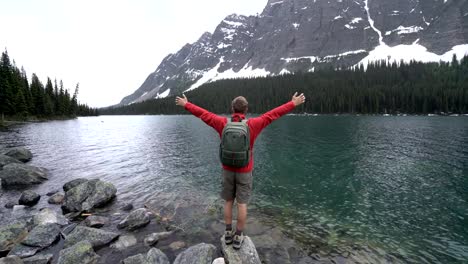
(79, 231)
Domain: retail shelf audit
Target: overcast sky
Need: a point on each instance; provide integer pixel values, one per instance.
(108, 46)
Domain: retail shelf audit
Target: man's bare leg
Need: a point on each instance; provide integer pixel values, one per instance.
(228, 212)
(241, 216)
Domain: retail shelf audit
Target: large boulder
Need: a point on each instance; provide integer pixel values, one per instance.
(15, 174)
(96, 221)
(56, 198)
(5, 160)
(136, 219)
(154, 256)
(73, 183)
(88, 195)
(42, 236)
(23, 251)
(12, 234)
(39, 259)
(247, 254)
(198, 254)
(49, 216)
(20, 153)
(96, 237)
(124, 242)
(29, 198)
(82, 252)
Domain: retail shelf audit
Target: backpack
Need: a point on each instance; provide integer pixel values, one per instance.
(234, 150)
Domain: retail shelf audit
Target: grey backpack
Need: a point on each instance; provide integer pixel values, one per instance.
(234, 150)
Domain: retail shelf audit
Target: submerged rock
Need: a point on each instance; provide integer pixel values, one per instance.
(20, 153)
(52, 192)
(154, 256)
(96, 221)
(198, 254)
(10, 205)
(177, 245)
(153, 238)
(56, 198)
(42, 236)
(82, 252)
(49, 216)
(96, 237)
(88, 195)
(11, 260)
(15, 174)
(39, 259)
(71, 184)
(124, 242)
(136, 219)
(29, 198)
(5, 160)
(247, 254)
(127, 207)
(12, 234)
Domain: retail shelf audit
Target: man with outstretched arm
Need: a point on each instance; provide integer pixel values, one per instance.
(236, 154)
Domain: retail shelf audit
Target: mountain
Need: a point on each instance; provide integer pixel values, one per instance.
(304, 35)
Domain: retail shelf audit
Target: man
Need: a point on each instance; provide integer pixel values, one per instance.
(237, 181)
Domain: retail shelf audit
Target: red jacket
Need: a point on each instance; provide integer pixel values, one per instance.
(256, 125)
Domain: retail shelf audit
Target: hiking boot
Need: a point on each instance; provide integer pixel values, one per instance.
(228, 234)
(238, 240)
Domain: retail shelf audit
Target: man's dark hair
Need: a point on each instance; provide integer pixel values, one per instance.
(239, 105)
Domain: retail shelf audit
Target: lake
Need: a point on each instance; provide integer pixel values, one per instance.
(396, 187)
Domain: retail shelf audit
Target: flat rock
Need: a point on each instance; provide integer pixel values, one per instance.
(56, 198)
(96, 237)
(154, 256)
(247, 254)
(136, 219)
(23, 251)
(82, 252)
(96, 221)
(124, 242)
(219, 261)
(11, 260)
(12, 234)
(49, 216)
(88, 195)
(20, 153)
(177, 245)
(153, 238)
(39, 259)
(29, 198)
(42, 236)
(5, 160)
(198, 254)
(15, 174)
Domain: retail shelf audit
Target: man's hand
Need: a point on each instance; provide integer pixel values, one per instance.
(298, 100)
(181, 101)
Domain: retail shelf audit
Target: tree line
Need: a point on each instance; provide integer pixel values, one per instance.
(381, 88)
(20, 99)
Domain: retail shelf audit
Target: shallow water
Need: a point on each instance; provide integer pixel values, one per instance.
(396, 187)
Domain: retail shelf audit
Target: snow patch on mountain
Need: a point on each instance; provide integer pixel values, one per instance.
(404, 30)
(371, 22)
(411, 52)
(163, 94)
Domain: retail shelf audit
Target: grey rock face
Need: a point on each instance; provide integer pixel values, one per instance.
(96, 237)
(11, 260)
(302, 35)
(154, 256)
(88, 195)
(198, 254)
(20, 153)
(96, 221)
(247, 254)
(10, 205)
(5, 160)
(23, 251)
(56, 198)
(15, 174)
(82, 252)
(12, 234)
(136, 219)
(39, 259)
(49, 216)
(153, 238)
(29, 198)
(124, 242)
(42, 236)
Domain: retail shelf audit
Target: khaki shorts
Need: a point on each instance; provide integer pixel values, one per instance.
(237, 185)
